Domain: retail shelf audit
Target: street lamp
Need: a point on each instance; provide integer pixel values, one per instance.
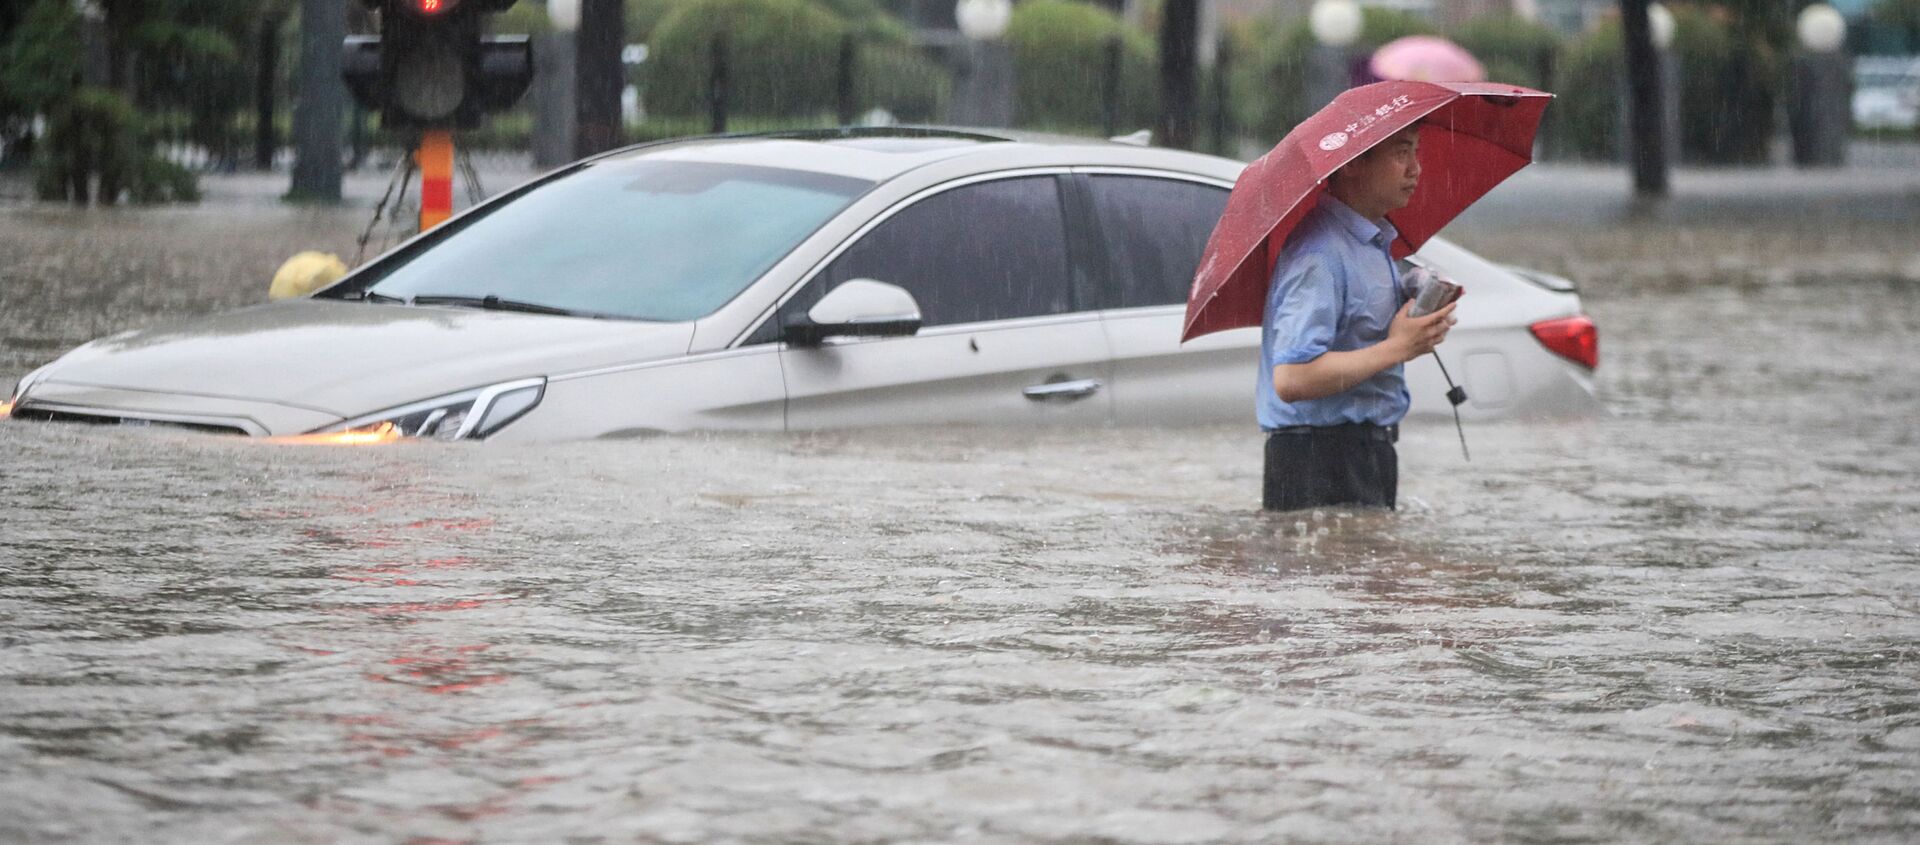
(1660, 25)
(1821, 28)
(1819, 113)
(1336, 26)
(1335, 23)
(983, 93)
(565, 14)
(983, 20)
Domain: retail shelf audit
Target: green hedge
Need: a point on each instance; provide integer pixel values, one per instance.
(1584, 121)
(1513, 50)
(898, 78)
(1729, 84)
(522, 19)
(781, 60)
(1730, 80)
(1060, 60)
(1278, 68)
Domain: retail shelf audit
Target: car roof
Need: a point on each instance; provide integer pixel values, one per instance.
(882, 153)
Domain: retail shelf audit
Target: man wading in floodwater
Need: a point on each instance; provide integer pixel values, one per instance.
(1336, 334)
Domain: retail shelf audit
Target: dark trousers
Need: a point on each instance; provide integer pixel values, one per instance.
(1333, 465)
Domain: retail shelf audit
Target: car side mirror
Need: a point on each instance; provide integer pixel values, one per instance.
(856, 308)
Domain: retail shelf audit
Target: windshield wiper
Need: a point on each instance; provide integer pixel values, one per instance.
(491, 303)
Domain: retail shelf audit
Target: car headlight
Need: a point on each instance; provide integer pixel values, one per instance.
(20, 389)
(468, 415)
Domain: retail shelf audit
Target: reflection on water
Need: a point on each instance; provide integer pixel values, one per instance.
(1693, 622)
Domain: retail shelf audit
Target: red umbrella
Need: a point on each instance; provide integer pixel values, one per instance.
(1473, 135)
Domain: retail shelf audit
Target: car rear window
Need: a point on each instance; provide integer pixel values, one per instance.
(643, 238)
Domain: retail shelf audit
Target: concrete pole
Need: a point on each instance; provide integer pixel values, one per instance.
(1819, 113)
(983, 91)
(1329, 72)
(1179, 54)
(1646, 148)
(599, 77)
(322, 102)
(553, 106)
(1670, 103)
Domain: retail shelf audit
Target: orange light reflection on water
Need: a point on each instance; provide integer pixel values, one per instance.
(379, 435)
(6, 409)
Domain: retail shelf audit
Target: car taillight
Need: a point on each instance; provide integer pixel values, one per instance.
(1576, 339)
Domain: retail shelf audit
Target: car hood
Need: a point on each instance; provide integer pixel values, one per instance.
(352, 358)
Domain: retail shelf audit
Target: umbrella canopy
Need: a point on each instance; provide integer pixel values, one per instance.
(1472, 137)
(1425, 58)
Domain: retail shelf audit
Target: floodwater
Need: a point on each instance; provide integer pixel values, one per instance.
(1697, 620)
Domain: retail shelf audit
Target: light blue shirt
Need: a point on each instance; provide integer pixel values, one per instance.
(1335, 289)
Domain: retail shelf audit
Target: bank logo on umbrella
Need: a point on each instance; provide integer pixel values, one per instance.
(1334, 141)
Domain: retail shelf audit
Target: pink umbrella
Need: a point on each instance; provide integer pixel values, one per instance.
(1426, 58)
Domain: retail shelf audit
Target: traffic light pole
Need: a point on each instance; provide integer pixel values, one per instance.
(435, 157)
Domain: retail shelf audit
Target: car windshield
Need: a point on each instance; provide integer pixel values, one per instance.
(644, 239)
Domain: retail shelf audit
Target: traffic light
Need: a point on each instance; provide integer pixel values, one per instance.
(430, 66)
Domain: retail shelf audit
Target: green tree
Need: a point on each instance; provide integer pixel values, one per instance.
(39, 60)
(185, 63)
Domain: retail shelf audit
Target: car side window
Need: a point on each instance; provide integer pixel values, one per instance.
(988, 251)
(1155, 230)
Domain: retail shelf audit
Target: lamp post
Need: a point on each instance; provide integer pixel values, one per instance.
(983, 93)
(1336, 26)
(1820, 113)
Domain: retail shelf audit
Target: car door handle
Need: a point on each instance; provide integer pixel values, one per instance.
(1062, 390)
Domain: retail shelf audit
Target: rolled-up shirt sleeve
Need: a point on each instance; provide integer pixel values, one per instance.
(1303, 311)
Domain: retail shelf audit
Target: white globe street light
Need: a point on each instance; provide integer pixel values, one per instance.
(565, 14)
(1821, 28)
(1335, 23)
(983, 20)
(1660, 22)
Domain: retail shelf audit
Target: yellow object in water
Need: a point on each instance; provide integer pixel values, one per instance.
(305, 273)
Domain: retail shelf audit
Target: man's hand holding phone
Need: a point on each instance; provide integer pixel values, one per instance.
(1434, 295)
(1417, 336)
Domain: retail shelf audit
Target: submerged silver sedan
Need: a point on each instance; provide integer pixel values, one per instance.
(788, 281)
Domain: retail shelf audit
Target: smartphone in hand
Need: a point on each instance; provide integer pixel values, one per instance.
(1434, 297)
